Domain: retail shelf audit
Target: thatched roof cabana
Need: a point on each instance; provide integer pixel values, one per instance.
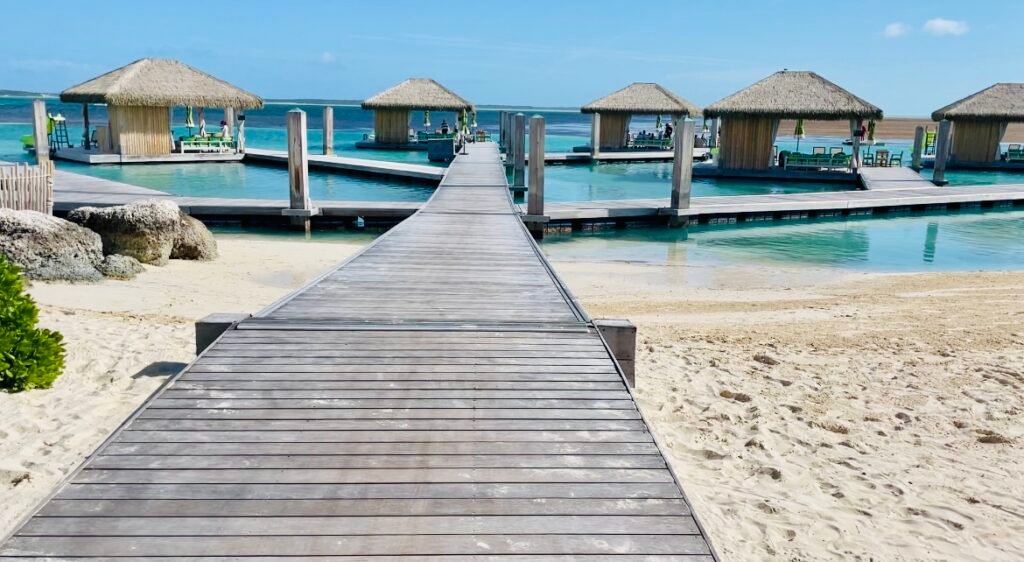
(612, 113)
(160, 83)
(642, 98)
(392, 106)
(750, 117)
(139, 96)
(1003, 102)
(980, 120)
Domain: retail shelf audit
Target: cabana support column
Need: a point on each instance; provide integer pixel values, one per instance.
(39, 138)
(595, 135)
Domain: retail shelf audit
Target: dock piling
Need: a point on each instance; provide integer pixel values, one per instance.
(682, 170)
(328, 130)
(620, 335)
(535, 219)
(915, 158)
(942, 142)
(519, 151)
(713, 134)
(595, 136)
(39, 138)
(300, 208)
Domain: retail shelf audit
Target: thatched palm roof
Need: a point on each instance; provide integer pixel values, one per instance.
(1002, 102)
(794, 94)
(418, 93)
(160, 83)
(642, 98)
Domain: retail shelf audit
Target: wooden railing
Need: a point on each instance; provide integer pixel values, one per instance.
(27, 188)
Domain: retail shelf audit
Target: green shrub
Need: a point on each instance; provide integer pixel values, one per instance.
(29, 357)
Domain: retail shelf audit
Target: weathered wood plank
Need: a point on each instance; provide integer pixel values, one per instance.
(363, 507)
(394, 545)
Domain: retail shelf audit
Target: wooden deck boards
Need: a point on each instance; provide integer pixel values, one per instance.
(440, 396)
(816, 201)
(404, 170)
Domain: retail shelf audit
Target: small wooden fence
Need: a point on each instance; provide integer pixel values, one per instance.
(27, 188)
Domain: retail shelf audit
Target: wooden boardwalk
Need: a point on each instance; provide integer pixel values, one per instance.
(439, 396)
(792, 203)
(365, 166)
(72, 191)
(896, 177)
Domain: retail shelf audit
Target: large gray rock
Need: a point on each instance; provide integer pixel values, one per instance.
(48, 248)
(194, 241)
(117, 266)
(145, 231)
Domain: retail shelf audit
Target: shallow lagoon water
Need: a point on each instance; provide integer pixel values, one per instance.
(941, 242)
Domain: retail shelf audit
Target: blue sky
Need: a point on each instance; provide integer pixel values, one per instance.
(907, 57)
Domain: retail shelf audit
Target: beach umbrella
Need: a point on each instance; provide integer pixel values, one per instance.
(426, 119)
(657, 123)
(474, 125)
(189, 120)
(798, 132)
(871, 132)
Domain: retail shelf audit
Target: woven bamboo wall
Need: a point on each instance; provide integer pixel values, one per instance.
(746, 142)
(139, 131)
(977, 141)
(391, 126)
(613, 130)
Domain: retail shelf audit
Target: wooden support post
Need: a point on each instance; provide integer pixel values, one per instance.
(328, 130)
(299, 209)
(501, 131)
(86, 138)
(855, 127)
(229, 118)
(519, 151)
(713, 133)
(595, 136)
(620, 335)
(39, 138)
(915, 158)
(942, 148)
(535, 219)
(682, 171)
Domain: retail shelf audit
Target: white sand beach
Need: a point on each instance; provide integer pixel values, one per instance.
(810, 415)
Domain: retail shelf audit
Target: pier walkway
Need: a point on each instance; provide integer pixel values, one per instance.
(439, 396)
(895, 177)
(364, 166)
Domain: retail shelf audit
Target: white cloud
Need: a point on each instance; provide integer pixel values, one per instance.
(328, 57)
(895, 29)
(940, 26)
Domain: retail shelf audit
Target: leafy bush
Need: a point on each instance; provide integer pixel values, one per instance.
(29, 357)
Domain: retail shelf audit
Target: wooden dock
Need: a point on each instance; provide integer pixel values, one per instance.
(441, 395)
(793, 205)
(72, 191)
(895, 177)
(619, 156)
(96, 157)
(364, 166)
